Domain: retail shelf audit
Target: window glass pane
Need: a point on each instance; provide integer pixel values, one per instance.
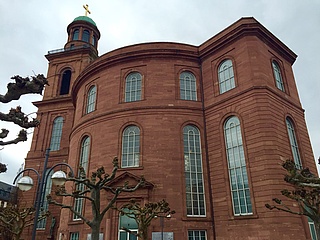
(226, 76)
(56, 134)
(239, 185)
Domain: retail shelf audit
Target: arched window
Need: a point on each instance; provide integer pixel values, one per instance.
(133, 87)
(128, 223)
(130, 147)
(56, 134)
(93, 40)
(65, 82)
(226, 76)
(195, 197)
(188, 86)
(293, 143)
(86, 36)
(91, 99)
(83, 162)
(277, 75)
(75, 34)
(238, 177)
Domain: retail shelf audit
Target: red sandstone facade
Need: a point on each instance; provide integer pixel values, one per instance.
(161, 116)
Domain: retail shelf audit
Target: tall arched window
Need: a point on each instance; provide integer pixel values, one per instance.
(195, 197)
(277, 75)
(133, 87)
(75, 34)
(293, 143)
(238, 176)
(56, 134)
(130, 147)
(86, 36)
(128, 223)
(65, 82)
(91, 99)
(188, 86)
(83, 162)
(226, 76)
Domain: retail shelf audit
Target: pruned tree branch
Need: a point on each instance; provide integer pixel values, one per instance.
(23, 86)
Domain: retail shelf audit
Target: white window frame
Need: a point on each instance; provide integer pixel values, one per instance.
(188, 86)
(133, 85)
(197, 235)
(226, 76)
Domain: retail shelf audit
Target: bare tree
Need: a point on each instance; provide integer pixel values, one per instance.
(306, 192)
(143, 215)
(22, 86)
(13, 219)
(90, 190)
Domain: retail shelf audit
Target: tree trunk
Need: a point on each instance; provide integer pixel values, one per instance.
(95, 231)
(143, 232)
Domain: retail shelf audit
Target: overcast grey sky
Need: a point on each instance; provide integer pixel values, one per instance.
(31, 28)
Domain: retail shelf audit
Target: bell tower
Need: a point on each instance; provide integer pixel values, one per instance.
(56, 110)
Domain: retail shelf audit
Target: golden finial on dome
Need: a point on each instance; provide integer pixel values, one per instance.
(86, 7)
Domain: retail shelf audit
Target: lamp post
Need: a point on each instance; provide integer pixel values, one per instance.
(162, 217)
(26, 183)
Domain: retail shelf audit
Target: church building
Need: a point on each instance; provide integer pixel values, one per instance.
(207, 126)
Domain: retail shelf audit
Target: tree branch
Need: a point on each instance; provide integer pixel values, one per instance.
(23, 86)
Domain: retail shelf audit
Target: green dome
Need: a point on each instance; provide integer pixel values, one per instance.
(85, 18)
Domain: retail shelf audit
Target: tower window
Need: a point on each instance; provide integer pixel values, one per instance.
(239, 185)
(293, 143)
(93, 40)
(226, 76)
(86, 36)
(277, 75)
(65, 82)
(75, 34)
(56, 134)
(188, 86)
(193, 172)
(133, 87)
